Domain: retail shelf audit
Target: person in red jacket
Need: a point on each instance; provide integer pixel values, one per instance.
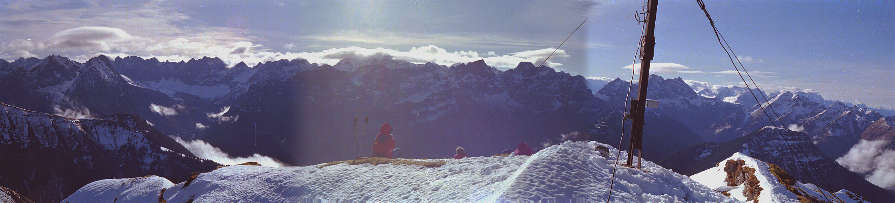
(384, 144)
(461, 153)
(523, 149)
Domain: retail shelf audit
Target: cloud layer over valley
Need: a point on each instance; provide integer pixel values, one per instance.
(205, 150)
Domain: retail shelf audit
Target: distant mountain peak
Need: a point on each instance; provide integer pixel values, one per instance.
(241, 65)
(525, 65)
(212, 61)
(100, 59)
(476, 67)
(58, 60)
(480, 62)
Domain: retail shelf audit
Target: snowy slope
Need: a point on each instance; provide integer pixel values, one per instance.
(772, 189)
(572, 170)
(142, 189)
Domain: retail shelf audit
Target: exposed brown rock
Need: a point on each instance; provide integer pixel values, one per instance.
(251, 163)
(190, 179)
(161, 196)
(16, 197)
(790, 182)
(733, 170)
(752, 189)
(739, 174)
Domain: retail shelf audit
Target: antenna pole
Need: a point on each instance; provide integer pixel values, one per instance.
(255, 134)
(648, 45)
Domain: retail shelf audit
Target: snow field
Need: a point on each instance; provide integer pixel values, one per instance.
(143, 189)
(571, 171)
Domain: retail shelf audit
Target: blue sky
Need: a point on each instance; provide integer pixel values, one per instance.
(844, 49)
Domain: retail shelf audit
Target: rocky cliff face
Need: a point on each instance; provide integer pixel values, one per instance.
(833, 126)
(48, 157)
(431, 107)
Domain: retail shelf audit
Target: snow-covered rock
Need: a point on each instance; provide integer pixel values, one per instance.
(773, 184)
(564, 172)
(11, 196)
(728, 93)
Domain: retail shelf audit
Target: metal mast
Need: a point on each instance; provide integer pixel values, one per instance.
(647, 44)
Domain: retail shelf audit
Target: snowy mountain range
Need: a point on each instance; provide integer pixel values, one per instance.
(790, 150)
(46, 157)
(303, 113)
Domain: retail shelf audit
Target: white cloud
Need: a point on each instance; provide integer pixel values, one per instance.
(380, 38)
(873, 160)
(87, 29)
(232, 49)
(599, 78)
(89, 38)
(289, 46)
(754, 73)
(665, 68)
(162, 110)
(795, 127)
(156, 29)
(77, 113)
(201, 126)
(219, 116)
(749, 59)
(206, 151)
(884, 175)
(429, 53)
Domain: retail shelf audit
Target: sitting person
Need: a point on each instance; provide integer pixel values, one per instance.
(384, 144)
(523, 149)
(461, 153)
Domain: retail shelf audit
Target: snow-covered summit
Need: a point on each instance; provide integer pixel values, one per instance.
(727, 93)
(746, 179)
(568, 171)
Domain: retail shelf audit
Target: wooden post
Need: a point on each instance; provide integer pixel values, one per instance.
(356, 141)
(647, 46)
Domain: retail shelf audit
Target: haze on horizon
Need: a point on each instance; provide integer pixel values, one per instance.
(843, 49)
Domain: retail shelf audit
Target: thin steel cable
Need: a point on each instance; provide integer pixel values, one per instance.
(763, 96)
(622, 134)
(730, 57)
(544, 62)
